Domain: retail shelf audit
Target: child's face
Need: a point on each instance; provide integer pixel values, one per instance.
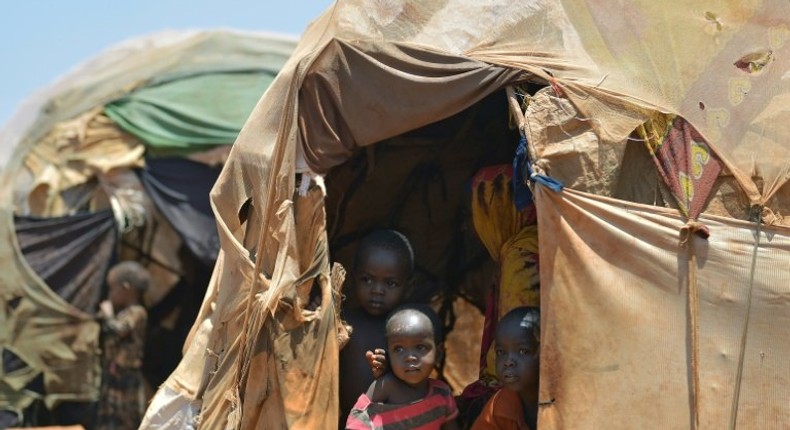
(517, 351)
(412, 349)
(121, 294)
(381, 280)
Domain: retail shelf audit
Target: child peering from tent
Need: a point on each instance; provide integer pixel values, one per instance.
(510, 235)
(517, 346)
(382, 279)
(406, 397)
(122, 395)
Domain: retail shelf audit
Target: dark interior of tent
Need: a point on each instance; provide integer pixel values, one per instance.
(421, 184)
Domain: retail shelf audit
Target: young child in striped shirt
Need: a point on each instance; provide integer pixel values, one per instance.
(406, 397)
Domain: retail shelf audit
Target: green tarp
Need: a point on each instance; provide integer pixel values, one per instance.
(190, 114)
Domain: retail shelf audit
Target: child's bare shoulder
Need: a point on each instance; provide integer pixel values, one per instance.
(381, 389)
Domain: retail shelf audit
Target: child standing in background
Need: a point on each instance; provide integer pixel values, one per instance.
(122, 396)
(382, 278)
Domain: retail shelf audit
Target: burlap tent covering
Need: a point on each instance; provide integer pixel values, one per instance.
(615, 353)
(365, 72)
(69, 157)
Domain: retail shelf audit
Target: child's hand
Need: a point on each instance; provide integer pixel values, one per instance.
(377, 361)
(105, 310)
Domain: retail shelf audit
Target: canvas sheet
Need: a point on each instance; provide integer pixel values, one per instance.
(615, 334)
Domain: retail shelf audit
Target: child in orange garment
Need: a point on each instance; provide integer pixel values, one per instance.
(517, 347)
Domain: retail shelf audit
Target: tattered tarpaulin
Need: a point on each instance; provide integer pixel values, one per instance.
(179, 188)
(70, 165)
(70, 256)
(614, 341)
(62, 350)
(70, 253)
(416, 86)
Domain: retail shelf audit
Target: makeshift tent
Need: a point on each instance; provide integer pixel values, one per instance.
(115, 162)
(647, 323)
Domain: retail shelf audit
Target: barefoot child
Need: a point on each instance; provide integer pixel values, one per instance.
(382, 276)
(406, 397)
(517, 346)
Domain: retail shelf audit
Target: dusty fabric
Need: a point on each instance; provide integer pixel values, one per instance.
(150, 239)
(503, 411)
(583, 49)
(151, 59)
(60, 350)
(66, 163)
(618, 326)
(462, 346)
(448, 84)
(173, 411)
(278, 323)
(569, 148)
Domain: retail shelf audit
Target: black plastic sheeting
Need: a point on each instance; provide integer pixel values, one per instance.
(180, 188)
(71, 253)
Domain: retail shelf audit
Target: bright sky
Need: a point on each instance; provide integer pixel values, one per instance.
(40, 40)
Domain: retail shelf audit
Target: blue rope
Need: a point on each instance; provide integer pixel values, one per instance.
(522, 171)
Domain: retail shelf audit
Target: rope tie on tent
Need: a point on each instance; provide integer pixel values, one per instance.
(693, 227)
(687, 233)
(523, 172)
(757, 216)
